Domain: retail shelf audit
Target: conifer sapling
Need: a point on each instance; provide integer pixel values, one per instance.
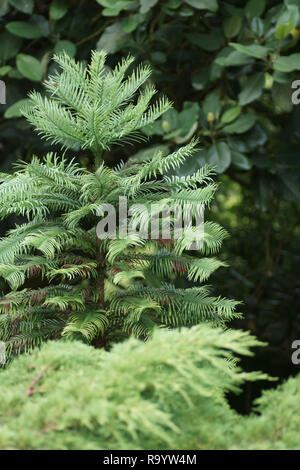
(78, 285)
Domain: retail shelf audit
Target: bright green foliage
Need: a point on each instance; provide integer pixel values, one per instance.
(228, 66)
(167, 393)
(211, 57)
(278, 426)
(91, 107)
(91, 288)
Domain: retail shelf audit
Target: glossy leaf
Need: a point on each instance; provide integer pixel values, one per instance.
(253, 89)
(29, 67)
(24, 30)
(241, 125)
(211, 5)
(219, 156)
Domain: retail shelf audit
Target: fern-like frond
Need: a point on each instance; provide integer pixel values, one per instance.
(92, 285)
(87, 325)
(90, 108)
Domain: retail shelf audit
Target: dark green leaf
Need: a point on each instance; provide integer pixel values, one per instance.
(200, 79)
(67, 46)
(129, 24)
(58, 9)
(233, 59)
(240, 161)
(146, 5)
(4, 70)
(254, 50)
(207, 42)
(14, 111)
(29, 67)
(241, 125)
(255, 8)
(283, 30)
(232, 26)
(211, 5)
(231, 114)
(287, 21)
(253, 89)
(25, 6)
(219, 156)
(9, 46)
(212, 104)
(257, 26)
(112, 39)
(288, 63)
(24, 30)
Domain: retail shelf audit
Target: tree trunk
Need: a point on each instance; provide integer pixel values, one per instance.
(100, 341)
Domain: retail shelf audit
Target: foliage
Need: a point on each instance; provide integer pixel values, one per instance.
(263, 258)
(228, 68)
(277, 426)
(269, 279)
(91, 287)
(167, 393)
(91, 108)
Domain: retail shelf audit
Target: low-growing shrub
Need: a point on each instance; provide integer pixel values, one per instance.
(166, 393)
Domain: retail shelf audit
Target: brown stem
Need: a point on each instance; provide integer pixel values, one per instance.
(100, 341)
(100, 267)
(30, 390)
(96, 33)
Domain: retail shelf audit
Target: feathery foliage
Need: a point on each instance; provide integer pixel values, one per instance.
(91, 287)
(91, 107)
(168, 393)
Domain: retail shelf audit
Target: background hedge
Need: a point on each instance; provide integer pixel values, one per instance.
(228, 67)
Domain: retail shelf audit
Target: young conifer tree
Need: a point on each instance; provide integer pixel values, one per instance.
(65, 280)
